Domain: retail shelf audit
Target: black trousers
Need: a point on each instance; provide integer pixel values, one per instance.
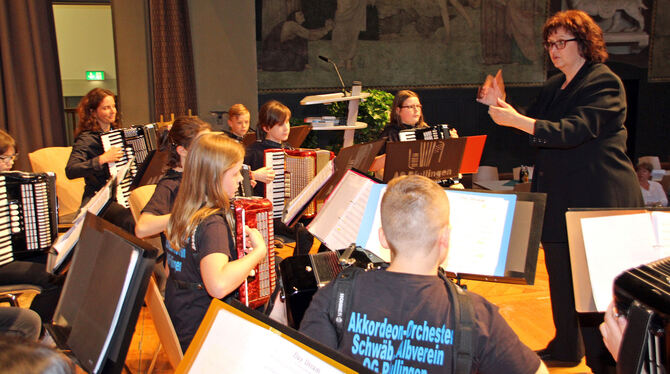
(576, 334)
(23, 272)
(120, 216)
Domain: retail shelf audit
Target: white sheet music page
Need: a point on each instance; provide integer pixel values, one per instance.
(337, 223)
(65, 243)
(256, 350)
(614, 244)
(477, 229)
(661, 222)
(368, 237)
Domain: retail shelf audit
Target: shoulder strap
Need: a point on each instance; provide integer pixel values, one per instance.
(464, 327)
(343, 284)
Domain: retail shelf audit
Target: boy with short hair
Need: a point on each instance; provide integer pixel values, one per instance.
(402, 318)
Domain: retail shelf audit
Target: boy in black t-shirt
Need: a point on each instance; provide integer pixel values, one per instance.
(401, 319)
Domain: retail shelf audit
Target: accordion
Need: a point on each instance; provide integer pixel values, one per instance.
(425, 133)
(642, 294)
(138, 141)
(28, 214)
(294, 169)
(303, 275)
(255, 212)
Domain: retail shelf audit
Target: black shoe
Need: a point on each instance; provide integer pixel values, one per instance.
(552, 361)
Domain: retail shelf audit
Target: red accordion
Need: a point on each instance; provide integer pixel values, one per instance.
(255, 212)
(294, 169)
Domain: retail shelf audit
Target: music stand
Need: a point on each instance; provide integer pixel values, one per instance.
(587, 292)
(284, 349)
(248, 139)
(358, 156)
(438, 159)
(102, 296)
(298, 135)
(352, 215)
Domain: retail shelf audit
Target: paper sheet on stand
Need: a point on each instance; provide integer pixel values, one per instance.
(614, 244)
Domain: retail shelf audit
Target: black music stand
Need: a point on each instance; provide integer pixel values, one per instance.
(524, 243)
(102, 296)
(357, 156)
(438, 159)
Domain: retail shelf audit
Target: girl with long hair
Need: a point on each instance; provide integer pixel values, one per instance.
(156, 213)
(201, 251)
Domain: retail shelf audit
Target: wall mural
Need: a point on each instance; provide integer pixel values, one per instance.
(626, 26)
(659, 68)
(393, 43)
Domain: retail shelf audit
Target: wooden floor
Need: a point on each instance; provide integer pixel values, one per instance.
(526, 308)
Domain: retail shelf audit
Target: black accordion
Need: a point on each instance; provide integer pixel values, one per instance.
(138, 141)
(303, 275)
(425, 133)
(642, 294)
(28, 214)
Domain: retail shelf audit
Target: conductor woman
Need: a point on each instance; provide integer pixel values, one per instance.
(577, 126)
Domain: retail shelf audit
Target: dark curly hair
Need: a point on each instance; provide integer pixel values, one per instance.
(587, 32)
(88, 105)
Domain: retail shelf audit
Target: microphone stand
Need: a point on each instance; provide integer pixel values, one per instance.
(326, 59)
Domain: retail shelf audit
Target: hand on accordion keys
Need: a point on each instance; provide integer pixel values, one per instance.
(111, 155)
(254, 244)
(265, 174)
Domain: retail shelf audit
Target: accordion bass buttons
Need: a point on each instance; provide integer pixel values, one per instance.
(14, 218)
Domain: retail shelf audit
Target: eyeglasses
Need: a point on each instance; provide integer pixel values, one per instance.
(8, 158)
(415, 106)
(559, 44)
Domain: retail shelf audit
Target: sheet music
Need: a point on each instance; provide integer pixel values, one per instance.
(614, 244)
(67, 241)
(368, 236)
(280, 355)
(661, 222)
(337, 223)
(99, 200)
(307, 193)
(481, 225)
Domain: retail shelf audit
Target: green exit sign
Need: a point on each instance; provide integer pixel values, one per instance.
(95, 75)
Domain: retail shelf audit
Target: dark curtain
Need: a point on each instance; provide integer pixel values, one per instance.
(31, 105)
(172, 55)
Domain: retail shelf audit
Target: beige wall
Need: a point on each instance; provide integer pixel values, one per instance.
(224, 54)
(85, 42)
(133, 61)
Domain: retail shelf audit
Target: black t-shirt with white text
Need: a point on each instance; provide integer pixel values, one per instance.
(403, 322)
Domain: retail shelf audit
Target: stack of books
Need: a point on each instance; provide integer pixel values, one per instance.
(324, 121)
